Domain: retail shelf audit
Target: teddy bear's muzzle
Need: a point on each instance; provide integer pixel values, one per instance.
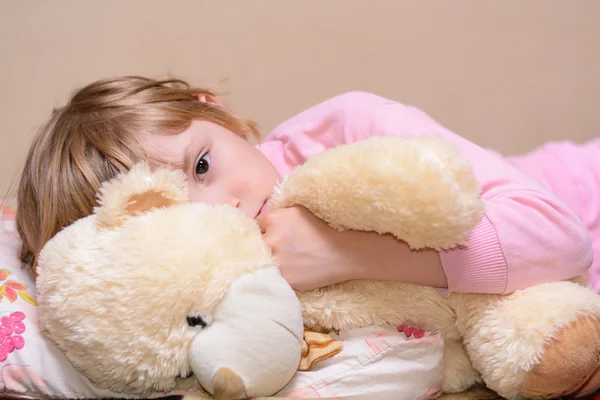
(254, 343)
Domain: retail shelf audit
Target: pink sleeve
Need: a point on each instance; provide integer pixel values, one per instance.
(339, 120)
(527, 235)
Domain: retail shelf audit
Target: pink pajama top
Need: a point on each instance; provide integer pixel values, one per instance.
(527, 236)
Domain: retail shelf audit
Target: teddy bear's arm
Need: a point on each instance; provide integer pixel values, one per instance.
(419, 189)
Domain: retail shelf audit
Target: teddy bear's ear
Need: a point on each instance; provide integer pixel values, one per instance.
(137, 191)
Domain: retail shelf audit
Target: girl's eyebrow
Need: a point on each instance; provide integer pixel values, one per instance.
(185, 162)
(187, 155)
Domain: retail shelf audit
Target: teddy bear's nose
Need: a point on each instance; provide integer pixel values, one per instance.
(196, 321)
(228, 385)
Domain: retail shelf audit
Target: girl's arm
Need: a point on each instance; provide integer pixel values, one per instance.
(526, 237)
(311, 254)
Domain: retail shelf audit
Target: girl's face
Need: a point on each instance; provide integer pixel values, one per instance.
(222, 168)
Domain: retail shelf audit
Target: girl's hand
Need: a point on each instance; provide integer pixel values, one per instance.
(309, 252)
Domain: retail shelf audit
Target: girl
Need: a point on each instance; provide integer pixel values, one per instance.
(528, 236)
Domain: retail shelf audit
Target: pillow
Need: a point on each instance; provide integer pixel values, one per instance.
(378, 361)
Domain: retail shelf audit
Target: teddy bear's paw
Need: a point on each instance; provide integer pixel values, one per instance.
(570, 364)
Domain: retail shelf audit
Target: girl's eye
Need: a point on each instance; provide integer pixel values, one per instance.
(202, 165)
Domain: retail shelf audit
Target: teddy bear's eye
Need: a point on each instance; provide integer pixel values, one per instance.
(196, 320)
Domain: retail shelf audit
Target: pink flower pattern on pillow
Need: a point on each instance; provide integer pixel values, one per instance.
(11, 329)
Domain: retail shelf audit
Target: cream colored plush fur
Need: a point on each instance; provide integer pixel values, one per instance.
(115, 288)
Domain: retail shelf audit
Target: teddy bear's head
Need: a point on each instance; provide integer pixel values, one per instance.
(151, 288)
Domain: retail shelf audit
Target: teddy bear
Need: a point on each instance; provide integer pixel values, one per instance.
(151, 293)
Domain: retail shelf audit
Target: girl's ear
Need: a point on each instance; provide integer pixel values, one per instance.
(138, 191)
(210, 99)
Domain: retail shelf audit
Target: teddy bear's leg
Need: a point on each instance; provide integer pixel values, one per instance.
(459, 374)
(570, 363)
(541, 342)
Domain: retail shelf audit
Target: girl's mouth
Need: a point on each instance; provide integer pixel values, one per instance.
(262, 209)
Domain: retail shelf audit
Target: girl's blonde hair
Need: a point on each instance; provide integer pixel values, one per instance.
(93, 138)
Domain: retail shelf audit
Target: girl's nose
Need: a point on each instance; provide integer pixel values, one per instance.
(235, 202)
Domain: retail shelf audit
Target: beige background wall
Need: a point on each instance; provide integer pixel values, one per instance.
(506, 74)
